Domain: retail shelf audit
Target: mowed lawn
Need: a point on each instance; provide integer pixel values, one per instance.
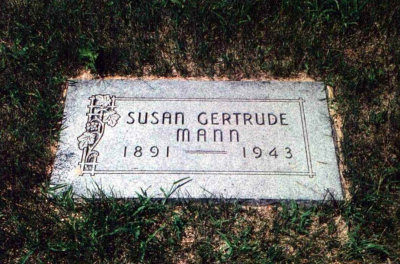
(351, 45)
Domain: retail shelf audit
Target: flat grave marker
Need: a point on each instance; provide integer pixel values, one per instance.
(242, 140)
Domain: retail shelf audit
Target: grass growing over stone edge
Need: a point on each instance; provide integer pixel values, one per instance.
(351, 45)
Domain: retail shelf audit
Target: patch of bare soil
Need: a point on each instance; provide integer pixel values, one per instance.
(301, 77)
(338, 137)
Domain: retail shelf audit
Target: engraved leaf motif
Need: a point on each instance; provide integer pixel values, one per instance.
(103, 100)
(111, 118)
(86, 139)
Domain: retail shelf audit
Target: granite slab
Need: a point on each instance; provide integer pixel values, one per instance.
(247, 140)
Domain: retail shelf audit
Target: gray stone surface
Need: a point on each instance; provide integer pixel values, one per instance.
(243, 140)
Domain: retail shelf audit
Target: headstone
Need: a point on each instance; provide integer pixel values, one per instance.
(243, 140)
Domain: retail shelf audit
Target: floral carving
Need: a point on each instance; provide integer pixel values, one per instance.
(111, 118)
(86, 139)
(101, 114)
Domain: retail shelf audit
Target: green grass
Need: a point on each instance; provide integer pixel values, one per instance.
(352, 45)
